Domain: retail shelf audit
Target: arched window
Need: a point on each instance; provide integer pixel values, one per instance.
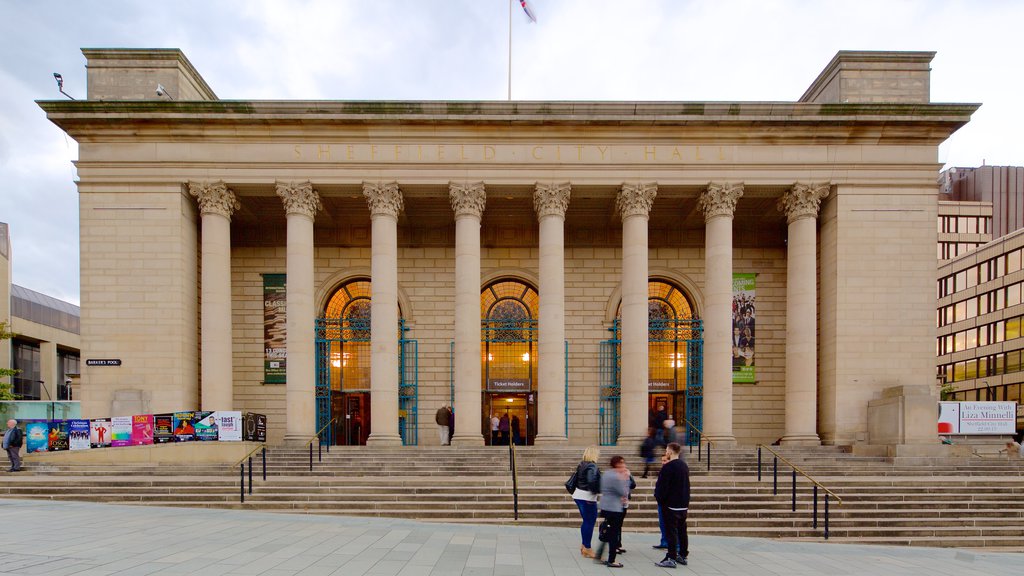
(350, 335)
(668, 311)
(508, 309)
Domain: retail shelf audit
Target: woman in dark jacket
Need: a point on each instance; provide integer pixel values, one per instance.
(588, 486)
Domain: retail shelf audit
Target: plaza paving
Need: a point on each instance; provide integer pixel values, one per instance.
(58, 538)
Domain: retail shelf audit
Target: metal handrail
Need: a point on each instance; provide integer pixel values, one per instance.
(700, 438)
(319, 445)
(513, 466)
(241, 470)
(815, 485)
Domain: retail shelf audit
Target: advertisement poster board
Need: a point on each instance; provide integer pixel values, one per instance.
(37, 437)
(163, 428)
(254, 427)
(78, 435)
(229, 426)
(744, 312)
(206, 426)
(184, 426)
(58, 435)
(99, 433)
(121, 431)
(142, 429)
(978, 418)
(275, 353)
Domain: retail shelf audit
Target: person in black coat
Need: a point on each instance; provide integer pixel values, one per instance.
(672, 491)
(13, 439)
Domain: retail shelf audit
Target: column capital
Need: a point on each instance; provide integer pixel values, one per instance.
(719, 200)
(299, 198)
(467, 198)
(803, 200)
(551, 199)
(214, 198)
(636, 198)
(383, 198)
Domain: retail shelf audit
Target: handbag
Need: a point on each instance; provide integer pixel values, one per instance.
(602, 531)
(570, 484)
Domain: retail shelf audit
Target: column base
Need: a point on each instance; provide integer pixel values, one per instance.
(550, 441)
(801, 440)
(721, 441)
(467, 440)
(383, 440)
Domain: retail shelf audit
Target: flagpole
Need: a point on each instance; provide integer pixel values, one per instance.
(510, 50)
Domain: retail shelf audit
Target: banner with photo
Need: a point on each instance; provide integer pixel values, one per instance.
(99, 432)
(744, 314)
(275, 354)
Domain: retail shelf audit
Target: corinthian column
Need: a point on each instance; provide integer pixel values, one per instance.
(801, 205)
(468, 202)
(301, 203)
(216, 204)
(551, 201)
(718, 203)
(634, 203)
(385, 201)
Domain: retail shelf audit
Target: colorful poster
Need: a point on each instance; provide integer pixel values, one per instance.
(184, 426)
(978, 418)
(142, 429)
(275, 354)
(206, 426)
(58, 438)
(121, 431)
(37, 437)
(99, 433)
(744, 314)
(163, 428)
(229, 426)
(78, 435)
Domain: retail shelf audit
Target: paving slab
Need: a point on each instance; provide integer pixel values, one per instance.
(50, 538)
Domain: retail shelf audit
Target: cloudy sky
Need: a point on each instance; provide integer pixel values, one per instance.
(457, 50)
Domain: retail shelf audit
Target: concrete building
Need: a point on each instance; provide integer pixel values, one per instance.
(577, 266)
(46, 342)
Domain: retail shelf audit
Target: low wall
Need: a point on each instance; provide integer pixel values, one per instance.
(175, 453)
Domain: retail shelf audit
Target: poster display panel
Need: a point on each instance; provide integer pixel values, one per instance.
(184, 426)
(58, 439)
(205, 426)
(229, 426)
(78, 435)
(121, 431)
(163, 428)
(142, 429)
(978, 418)
(99, 432)
(254, 427)
(37, 437)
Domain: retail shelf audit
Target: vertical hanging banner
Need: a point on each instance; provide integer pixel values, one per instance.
(744, 313)
(275, 354)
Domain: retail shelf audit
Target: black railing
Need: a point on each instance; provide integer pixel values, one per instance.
(241, 471)
(320, 444)
(514, 470)
(701, 441)
(815, 485)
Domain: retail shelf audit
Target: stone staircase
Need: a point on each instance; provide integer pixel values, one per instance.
(973, 503)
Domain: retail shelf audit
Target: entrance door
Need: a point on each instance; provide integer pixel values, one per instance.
(521, 411)
(672, 404)
(351, 413)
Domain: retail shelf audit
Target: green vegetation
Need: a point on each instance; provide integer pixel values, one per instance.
(6, 388)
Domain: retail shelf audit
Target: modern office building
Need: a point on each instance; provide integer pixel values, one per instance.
(578, 267)
(46, 342)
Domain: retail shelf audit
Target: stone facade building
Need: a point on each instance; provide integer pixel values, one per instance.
(577, 266)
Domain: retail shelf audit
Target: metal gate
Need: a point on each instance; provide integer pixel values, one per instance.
(680, 345)
(334, 336)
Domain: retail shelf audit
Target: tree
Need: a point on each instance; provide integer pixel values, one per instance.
(6, 388)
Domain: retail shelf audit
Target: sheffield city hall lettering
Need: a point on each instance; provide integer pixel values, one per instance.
(518, 153)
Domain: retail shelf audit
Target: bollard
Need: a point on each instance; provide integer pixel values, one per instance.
(319, 450)
(709, 456)
(311, 457)
(250, 474)
(264, 463)
(759, 463)
(775, 476)
(241, 485)
(826, 515)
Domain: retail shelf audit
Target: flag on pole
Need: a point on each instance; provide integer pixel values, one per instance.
(529, 12)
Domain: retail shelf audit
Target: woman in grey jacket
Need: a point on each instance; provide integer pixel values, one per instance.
(614, 498)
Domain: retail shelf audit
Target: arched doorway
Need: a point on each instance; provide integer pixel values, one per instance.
(675, 339)
(343, 368)
(508, 311)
